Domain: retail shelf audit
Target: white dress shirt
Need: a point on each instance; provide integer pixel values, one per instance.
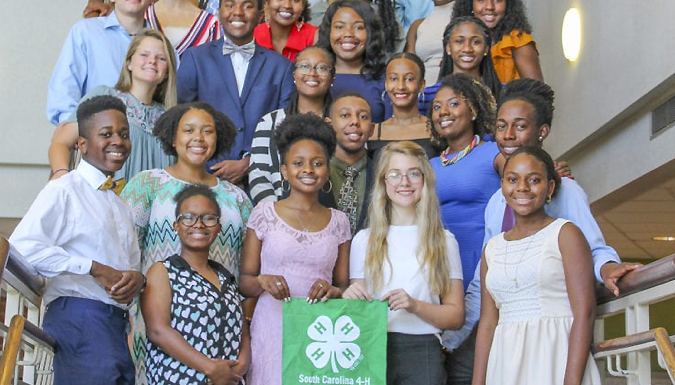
(240, 66)
(72, 223)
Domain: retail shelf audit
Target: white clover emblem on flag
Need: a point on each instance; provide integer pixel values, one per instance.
(333, 343)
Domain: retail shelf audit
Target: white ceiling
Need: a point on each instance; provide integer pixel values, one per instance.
(630, 226)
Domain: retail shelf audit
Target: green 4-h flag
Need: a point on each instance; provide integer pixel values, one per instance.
(339, 341)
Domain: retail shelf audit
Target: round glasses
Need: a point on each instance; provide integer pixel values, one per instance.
(190, 219)
(321, 69)
(395, 178)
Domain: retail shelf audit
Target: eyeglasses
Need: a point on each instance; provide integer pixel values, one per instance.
(321, 69)
(190, 219)
(396, 177)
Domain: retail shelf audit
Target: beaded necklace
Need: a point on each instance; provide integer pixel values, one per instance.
(444, 155)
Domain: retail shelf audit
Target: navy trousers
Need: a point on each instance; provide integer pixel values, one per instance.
(91, 339)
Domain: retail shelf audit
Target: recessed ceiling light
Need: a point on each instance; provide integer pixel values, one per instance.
(664, 239)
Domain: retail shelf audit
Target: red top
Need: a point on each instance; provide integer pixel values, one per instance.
(297, 40)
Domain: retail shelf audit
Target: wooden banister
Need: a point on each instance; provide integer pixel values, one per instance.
(4, 253)
(653, 274)
(12, 344)
(18, 268)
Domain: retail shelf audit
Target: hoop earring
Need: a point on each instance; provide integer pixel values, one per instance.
(300, 23)
(283, 186)
(330, 187)
(548, 199)
(267, 16)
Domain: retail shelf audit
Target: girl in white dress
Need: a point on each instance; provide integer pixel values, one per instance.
(538, 302)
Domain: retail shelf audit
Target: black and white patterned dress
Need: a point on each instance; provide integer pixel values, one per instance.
(208, 319)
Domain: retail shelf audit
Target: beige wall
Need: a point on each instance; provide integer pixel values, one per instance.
(603, 101)
(31, 39)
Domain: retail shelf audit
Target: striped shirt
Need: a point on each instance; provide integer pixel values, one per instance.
(264, 177)
(206, 28)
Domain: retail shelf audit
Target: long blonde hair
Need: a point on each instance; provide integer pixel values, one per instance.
(165, 93)
(431, 245)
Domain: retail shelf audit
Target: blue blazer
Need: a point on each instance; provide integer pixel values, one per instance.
(206, 75)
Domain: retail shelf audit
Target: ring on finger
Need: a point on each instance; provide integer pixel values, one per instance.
(279, 283)
(320, 285)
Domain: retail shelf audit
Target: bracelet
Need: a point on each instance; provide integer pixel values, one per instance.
(59, 170)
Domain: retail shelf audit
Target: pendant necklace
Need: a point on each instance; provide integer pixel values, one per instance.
(517, 264)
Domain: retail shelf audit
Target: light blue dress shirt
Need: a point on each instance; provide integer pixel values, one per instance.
(407, 11)
(92, 55)
(571, 203)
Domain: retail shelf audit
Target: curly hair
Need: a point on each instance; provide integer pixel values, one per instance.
(90, 107)
(192, 190)
(167, 125)
(373, 59)
(515, 17)
(486, 67)
(542, 156)
(292, 108)
(537, 93)
(304, 126)
(480, 101)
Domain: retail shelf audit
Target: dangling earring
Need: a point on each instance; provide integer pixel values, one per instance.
(330, 187)
(299, 23)
(283, 186)
(548, 199)
(267, 16)
(420, 96)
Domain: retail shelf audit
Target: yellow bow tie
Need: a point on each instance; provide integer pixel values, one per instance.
(116, 185)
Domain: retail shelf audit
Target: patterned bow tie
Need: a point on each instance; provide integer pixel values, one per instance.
(246, 50)
(115, 185)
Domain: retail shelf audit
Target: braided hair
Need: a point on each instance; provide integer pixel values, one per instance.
(292, 108)
(486, 67)
(535, 92)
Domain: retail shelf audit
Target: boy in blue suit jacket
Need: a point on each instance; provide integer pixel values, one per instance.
(239, 78)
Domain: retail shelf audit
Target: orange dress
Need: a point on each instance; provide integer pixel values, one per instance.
(502, 54)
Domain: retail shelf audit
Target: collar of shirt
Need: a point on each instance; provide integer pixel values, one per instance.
(249, 44)
(93, 176)
(182, 264)
(263, 36)
(111, 21)
(341, 166)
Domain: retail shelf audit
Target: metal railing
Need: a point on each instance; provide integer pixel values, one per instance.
(28, 351)
(639, 289)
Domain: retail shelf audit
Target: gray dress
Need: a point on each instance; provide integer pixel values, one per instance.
(146, 150)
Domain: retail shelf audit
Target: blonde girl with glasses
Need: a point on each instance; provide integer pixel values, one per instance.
(405, 257)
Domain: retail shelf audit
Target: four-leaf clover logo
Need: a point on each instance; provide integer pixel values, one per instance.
(333, 343)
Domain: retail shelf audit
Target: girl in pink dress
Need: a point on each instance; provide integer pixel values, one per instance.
(296, 246)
